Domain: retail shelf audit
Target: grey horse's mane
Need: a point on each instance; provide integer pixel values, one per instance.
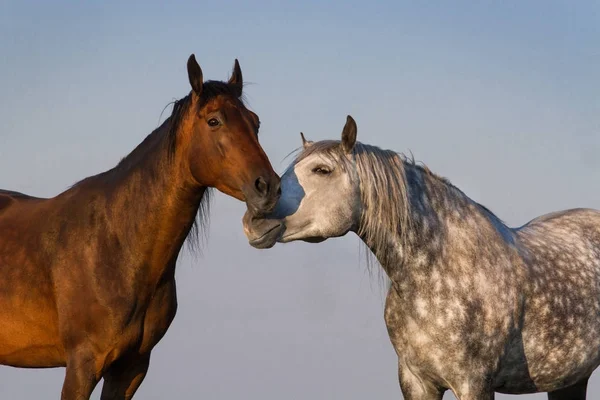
(383, 188)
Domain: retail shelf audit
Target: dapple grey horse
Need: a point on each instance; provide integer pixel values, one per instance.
(473, 306)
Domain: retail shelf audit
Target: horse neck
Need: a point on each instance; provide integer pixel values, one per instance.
(434, 209)
(150, 204)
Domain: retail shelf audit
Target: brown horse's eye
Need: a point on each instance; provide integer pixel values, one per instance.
(213, 122)
(321, 171)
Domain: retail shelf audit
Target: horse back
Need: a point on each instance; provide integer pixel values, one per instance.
(562, 240)
(8, 198)
(564, 217)
(22, 218)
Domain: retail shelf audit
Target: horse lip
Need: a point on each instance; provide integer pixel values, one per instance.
(297, 231)
(258, 241)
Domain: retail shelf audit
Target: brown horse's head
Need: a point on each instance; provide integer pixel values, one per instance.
(219, 137)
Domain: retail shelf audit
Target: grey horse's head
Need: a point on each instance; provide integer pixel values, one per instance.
(320, 195)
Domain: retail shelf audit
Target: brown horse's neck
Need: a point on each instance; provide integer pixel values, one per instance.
(150, 203)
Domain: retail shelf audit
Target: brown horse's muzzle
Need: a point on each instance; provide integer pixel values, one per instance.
(262, 195)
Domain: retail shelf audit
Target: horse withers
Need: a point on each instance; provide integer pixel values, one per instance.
(473, 306)
(87, 278)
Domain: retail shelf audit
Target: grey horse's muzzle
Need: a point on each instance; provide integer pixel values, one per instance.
(262, 232)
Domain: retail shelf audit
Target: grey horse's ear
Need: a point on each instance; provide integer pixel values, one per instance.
(349, 135)
(305, 143)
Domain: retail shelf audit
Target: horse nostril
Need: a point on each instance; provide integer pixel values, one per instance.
(279, 191)
(261, 186)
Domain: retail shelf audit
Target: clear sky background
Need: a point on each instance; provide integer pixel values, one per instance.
(503, 98)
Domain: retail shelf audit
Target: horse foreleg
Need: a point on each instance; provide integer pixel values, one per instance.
(474, 390)
(574, 392)
(124, 377)
(82, 375)
(482, 395)
(415, 388)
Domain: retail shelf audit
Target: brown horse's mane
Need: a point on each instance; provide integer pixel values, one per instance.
(210, 89)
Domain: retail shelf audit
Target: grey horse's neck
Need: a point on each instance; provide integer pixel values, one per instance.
(438, 217)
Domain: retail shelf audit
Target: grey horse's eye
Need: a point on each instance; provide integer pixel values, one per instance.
(321, 171)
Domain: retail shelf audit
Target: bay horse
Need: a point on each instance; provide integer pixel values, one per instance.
(473, 306)
(87, 278)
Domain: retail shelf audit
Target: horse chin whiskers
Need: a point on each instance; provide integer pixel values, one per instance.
(296, 234)
(269, 237)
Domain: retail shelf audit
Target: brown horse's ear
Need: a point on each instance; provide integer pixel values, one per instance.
(305, 143)
(349, 135)
(236, 79)
(195, 75)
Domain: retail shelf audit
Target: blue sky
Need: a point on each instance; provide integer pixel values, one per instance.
(503, 98)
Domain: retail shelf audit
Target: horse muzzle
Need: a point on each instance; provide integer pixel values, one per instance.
(264, 194)
(262, 233)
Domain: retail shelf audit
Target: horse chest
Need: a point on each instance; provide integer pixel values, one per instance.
(159, 314)
(143, 326)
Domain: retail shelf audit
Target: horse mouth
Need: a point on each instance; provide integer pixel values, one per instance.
(298, 236)
(268, 238)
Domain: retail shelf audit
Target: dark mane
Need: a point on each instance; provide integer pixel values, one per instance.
(199, 230)
(198, 234)
(211, 89)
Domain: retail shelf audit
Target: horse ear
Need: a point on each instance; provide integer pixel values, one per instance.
(305, 143)
(349, 135)
(236, 79)
(195, 75)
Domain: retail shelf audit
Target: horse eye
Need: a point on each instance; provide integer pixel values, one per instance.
(321, 171)
(213, 122)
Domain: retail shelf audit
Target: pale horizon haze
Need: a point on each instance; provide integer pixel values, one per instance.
(502, 98)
